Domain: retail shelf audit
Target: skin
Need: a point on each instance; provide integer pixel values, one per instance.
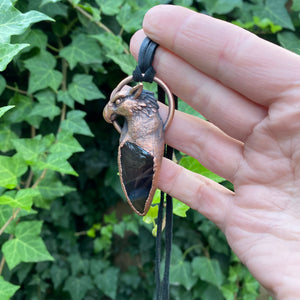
(249, 90)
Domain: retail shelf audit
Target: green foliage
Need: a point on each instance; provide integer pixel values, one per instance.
(65, 232)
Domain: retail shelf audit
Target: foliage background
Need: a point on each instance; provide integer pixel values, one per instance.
(65, 232)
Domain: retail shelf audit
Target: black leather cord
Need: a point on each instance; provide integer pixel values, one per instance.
(144, 70)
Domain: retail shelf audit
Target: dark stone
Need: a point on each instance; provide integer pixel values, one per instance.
(137, 174)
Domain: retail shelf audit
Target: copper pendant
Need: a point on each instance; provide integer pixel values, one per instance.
(142, 139)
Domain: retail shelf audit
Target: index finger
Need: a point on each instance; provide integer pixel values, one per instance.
(257, 69)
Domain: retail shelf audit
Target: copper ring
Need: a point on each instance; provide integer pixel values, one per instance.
(163, 86)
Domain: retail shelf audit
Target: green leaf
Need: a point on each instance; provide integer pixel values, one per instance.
(66, 143)
(8, 52)
(296, 5)
(221, 6)
(75, 123)
(126, 62)
(78, 264)
(193, 165)
(180, 208)
(110, 7)
(46, 107)
(4, 109)
(49, 189)
(64, 96)
(131, 19)
(181, 274)
(7, 136)
(13, 22)
(208, 270)
(57, 162)
(83, 49)
(7, 289)
(10, 169)
(78, 286)
(107, 282)
(23, 198)
(275, 11)
(58, 275)
(289, 40)
(26, 246)
(42, 73)
(30, 149)
(34, 37)
(110, 42)
(23, 107)
(82, 88)
(2, 84)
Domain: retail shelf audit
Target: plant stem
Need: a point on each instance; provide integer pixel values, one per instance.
(42, 176)
(9, 87)
(187, 251)
(90, 17)
(53, 48)
(12, 217)
(3, 258)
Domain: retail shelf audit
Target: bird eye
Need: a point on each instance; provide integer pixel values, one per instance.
(118, 101)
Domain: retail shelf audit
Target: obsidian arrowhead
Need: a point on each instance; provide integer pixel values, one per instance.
(137, 170)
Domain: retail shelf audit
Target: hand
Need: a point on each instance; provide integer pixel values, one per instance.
(249, 90)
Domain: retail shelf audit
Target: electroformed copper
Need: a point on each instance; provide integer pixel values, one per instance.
(141, 142)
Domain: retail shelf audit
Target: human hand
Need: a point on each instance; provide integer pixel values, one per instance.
(249, 90)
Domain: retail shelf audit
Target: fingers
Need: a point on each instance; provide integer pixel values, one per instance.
(230, 111)
(205, 142)
(198, 192)
(257, 69)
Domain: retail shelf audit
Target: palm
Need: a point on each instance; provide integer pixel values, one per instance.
(249, 90)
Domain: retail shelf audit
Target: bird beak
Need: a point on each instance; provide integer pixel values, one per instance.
(108, 113)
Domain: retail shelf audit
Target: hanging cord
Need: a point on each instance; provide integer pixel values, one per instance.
(144, 71)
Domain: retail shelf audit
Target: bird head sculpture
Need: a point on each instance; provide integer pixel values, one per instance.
(141, 143)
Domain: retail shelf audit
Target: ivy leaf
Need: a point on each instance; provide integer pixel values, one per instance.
(78, 287)
(82, 88)
(13, 22)
(2, 84)
(7, 289)
(30, 149)
(110, 7)
(221, 6)
(10, 169)
(35, 38)
(23, 198)
(7, 136)
(83, 49)
(208, 270)
(27, 246)
(107, 282)
(58, 275)
(110, 42)
(75, 123)
(193, 165)
(180, 208)
(46, 107)
(289, 40)
(296, 5)
(49, 189)
(4, 109)
(57, 162)
(131, 19)
(42, 73)
(126, 62)
(66, 143)
(64, 96)
(275, 11)
(8, 52)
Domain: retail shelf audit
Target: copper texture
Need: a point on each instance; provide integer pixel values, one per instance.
(142, 140)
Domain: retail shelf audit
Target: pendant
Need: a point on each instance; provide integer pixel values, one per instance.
(142, 142)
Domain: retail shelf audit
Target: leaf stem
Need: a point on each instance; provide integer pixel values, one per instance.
(9, 87)
(12, 217)
(3, 258)
(42, 176)
(53, 48)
